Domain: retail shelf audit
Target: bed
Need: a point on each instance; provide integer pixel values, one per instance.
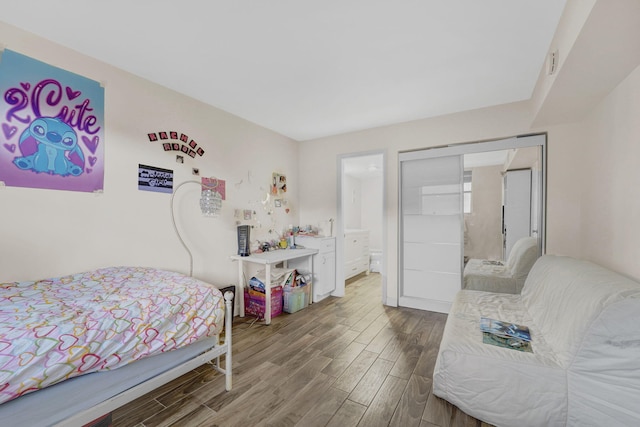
(74, 348)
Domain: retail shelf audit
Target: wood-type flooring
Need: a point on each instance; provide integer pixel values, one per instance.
(341, 362)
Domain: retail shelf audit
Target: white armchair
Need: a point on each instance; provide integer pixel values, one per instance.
(492, 276)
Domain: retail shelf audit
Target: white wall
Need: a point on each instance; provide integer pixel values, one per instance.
(46, 233)
(610, 174)
(593, 176)
(371, 215)
(352, 200)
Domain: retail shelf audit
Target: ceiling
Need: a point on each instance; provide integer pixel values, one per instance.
(309, 69)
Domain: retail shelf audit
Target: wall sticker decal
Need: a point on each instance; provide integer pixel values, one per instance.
(52, 126)
(172, 141)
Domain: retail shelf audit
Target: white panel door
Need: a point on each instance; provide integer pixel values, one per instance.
(517, 208)
(431, 232)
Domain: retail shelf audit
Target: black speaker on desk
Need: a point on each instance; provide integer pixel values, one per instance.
(243, 240)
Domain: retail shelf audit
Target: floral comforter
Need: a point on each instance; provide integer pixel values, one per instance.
(55, 329)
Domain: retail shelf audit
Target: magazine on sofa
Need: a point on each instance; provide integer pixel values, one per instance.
(505, 334)
(504, 329)
(507, 342)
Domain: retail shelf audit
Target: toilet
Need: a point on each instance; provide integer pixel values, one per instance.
(375, 263)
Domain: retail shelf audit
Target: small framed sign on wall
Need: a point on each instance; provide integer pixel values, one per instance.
(151, 178)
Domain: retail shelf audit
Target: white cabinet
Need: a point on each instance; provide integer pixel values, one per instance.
(356, 252)
(324, 264)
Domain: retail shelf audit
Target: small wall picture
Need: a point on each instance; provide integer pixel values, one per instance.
(278, 184)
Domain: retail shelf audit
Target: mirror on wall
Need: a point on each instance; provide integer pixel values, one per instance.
(502, 201)
(467, 211)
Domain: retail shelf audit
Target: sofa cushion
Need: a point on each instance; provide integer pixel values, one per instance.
(565, 296)
(504, 386)
(604, 379)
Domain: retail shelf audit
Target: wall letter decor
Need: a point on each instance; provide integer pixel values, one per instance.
(52, 126)
(182, 143)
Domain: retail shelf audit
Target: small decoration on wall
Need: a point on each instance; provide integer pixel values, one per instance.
(212, 196)
(278, 184)
(52, 126)
(245, 214)
(215, 184)
(155, 179)
(174, 141)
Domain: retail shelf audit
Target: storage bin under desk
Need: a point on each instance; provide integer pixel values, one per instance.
(269, 260)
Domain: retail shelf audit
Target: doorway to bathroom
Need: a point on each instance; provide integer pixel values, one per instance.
(361, 223)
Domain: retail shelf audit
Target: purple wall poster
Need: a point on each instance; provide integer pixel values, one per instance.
(52, 126)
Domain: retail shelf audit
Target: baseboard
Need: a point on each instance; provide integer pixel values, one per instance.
(428, 305)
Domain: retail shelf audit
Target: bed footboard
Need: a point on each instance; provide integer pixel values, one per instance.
(228, 323)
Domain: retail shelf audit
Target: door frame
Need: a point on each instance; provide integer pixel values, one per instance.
(340, 280)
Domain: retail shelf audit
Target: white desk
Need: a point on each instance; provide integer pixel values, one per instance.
(269, 259)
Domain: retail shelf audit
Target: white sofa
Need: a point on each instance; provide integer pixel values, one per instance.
(485, 275)
(585, 366)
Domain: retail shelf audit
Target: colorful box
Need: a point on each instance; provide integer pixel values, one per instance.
(296, 298)
(254, 302)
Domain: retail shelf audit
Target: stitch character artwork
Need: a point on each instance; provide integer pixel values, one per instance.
(50, 145)
(51, 126)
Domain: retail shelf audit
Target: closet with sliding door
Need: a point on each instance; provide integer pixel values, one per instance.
(432, 215)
